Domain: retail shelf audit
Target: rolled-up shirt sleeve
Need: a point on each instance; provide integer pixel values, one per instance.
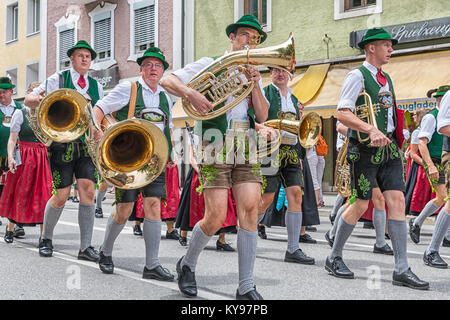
(116, 99)
(16, 121)
(427, 127)
(443, 118)
(190, 70)
(48, 86)
(351, 88)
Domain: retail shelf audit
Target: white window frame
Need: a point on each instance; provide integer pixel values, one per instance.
(69, 22)
(239, 12)
(133, 56)
(31, 19)
(27, 77)
(8, 74)
(340, 13)
(99, 10)
(9, 22)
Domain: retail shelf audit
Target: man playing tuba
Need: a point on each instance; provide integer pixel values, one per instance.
(378, 161)
(72, 158)
(154, 104)
(245, 179)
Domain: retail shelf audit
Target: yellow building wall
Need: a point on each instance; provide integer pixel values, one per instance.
(19, 53)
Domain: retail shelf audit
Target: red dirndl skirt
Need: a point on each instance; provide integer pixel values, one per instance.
(168, 211)
(197, 209)
(27, 191)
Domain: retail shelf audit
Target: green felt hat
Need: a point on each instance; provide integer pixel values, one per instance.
(82, 44)
(5, 83)
(153, 52)
(247, 21)
(376, 34)
(442, 90)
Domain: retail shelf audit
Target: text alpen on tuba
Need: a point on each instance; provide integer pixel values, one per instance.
(223, 78)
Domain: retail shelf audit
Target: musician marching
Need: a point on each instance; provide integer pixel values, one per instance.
(72, 158)
(380, 162)
(152, 103)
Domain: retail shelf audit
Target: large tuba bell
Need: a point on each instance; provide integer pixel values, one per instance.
(342, 181)
(131, 154)
(307, 129)
(223, 78)
(62, 116)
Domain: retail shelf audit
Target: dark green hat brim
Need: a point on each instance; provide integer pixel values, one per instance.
(233, 27)
(155, 55)
(6, 86)
(380, 36)
(82, 46)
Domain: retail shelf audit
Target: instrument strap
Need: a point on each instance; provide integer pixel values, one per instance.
(133, 98)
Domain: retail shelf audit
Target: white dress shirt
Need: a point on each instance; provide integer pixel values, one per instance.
(414, 136)
(427, 127)
(287, 106)
(52, 84)
(239, 112)
(443, 117)
(353, 86)
(119, 97)
(8, 111)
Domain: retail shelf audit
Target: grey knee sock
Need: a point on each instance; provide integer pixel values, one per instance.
(86, 223)
(398, 234)
(379, 222)
(427, 211)
(447, 236)
(51, 217)
(344, 230)
(152, 237)
(246, 247)
(99, 199)
(199, 240)
(336, 221)
(337, 204)
(293, 224)
(112, 231)
(441, 227)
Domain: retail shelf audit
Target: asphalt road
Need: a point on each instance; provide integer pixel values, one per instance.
(26, 275)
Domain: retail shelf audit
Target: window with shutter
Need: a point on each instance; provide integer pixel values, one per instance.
(102, 39)
(144, 28)
(66, 41)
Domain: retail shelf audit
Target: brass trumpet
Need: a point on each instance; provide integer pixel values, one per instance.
(366, 112)
(342, 181)
(223, 78)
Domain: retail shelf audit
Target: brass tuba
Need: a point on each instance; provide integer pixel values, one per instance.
(223, 78)
(307, 129)
(131, 154)
(62, 116)
(342, 181)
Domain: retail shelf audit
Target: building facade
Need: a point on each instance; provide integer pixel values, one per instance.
(22, 39)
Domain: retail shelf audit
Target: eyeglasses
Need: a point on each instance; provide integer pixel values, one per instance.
(150, 65)
(253, 40)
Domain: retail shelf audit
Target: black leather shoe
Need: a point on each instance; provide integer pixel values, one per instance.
(311, 228)
(329, 239)
(368, 225)
(45, 248)
(186, 280)
(383, 250)
(410, 280)
(172, 235)
(306, 238)
(75, 199)
(223, 246)
(433, 259)
(251, 295)
(158, 273)
(332, 218)
(414, 231)
(137, 231)
(445, 243)
(18, 231)
(262, 232)
(105, 263)
(338, 268)
(9, 236)
(183, 241)
(298, 257)
(387, 236)
(89, 254)
(98, 212)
